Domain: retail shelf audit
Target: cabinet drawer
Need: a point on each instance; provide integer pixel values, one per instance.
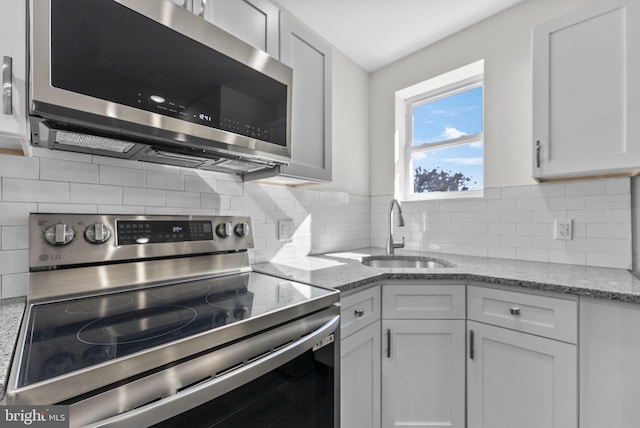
(359, 310)
(544, 316)
(423, 301)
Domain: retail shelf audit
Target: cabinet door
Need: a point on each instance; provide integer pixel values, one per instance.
(423, 373)
(253, 21)
(586, 77)
(609, 363)
(520, 380)
(310, 58)
(360, 378)
(13, 107)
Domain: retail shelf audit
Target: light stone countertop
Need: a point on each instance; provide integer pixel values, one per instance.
(343, 271)
(11, 311)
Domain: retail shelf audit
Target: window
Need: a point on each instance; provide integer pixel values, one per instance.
(439, 125)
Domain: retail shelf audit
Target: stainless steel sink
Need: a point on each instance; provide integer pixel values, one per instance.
(405, 262)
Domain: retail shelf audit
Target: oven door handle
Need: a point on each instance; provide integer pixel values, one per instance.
(183, 401)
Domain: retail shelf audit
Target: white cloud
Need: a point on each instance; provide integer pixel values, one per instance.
(464, 161)
(451, 133)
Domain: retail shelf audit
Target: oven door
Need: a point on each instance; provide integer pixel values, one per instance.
(286, 377)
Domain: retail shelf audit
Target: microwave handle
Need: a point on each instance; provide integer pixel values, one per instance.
(203, 6)
(161, 410)
(7, 85)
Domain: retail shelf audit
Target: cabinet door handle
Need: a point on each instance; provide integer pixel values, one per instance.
(359, 312)
(388, 343)
(203, 6)
(472, 350)
(7, 85)
(538, 154)
(515, 311)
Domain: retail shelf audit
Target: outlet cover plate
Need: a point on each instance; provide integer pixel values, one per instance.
(285, 230)
(563, 229)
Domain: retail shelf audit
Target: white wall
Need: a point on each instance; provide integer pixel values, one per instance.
(504, 42)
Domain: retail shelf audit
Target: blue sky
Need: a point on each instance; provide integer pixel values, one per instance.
(446, 119)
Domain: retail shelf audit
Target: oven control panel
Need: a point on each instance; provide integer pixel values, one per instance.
(69, 239)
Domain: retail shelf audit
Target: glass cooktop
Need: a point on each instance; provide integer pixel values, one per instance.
(63, 337)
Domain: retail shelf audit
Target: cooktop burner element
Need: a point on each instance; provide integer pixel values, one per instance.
(102, 306)
(136, 326)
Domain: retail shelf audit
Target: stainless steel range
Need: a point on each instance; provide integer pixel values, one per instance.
(159, 320)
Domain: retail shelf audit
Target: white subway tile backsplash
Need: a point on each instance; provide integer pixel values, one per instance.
(225, 187)
(19, 167)
(117, 176)
(145, 197)
(567, 203)
(519, 223)
(62, 170)
(19, 190)
(182, 199)
(512, 222)
(164, 180)
(616, 231)
(16, 213)
(95, 194)
(67, 208)
(14, 285)
(214, 201)
(202, 184)
(14, 261)
(608, 201)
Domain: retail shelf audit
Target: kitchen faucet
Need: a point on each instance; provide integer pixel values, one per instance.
(391, 246)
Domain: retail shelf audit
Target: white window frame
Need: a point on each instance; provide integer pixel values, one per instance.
(447, 84)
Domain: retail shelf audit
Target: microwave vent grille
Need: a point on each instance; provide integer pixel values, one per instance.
(93, 142)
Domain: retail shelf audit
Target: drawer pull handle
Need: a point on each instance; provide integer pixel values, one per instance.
(7, 86)
(515, 311)
(359, 312)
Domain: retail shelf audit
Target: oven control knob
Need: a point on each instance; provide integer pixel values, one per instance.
(222, 318)
(223, 230)
(240, 312)
(97, 233)
(59, 234)
(242, 229)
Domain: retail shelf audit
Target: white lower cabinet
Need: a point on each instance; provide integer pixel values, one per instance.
(517, 379)
(455, 355)
(520, 380)
(360, 378)
(423, 355)
(423, 373)
(360, 360)
(609, 364)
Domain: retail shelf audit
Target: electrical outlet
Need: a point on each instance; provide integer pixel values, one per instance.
(563, 228)
(285, 230)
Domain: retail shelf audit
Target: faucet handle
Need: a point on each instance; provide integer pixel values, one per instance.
(398, 244)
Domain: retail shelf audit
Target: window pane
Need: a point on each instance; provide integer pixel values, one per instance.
(448, 118)
(449, 169)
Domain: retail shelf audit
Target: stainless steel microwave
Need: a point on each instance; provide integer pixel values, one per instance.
(148, 80)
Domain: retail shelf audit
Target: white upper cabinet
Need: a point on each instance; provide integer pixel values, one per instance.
(586, 92)
(253, 21)
(310, 59)
(13, 53)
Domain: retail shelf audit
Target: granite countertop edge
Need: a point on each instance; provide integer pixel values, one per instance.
(347, 274)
